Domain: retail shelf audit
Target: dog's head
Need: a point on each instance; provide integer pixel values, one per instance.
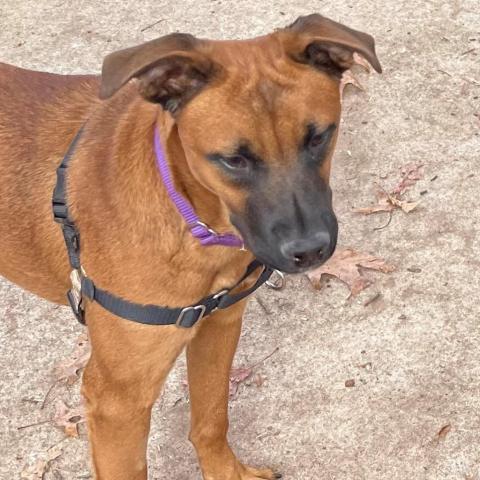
(258, 120)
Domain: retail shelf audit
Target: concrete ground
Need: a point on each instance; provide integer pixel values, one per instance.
(414, 353)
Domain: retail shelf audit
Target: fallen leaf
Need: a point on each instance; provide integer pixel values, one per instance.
(410, 173)
(407, 207)
(444, 431)
(363, 62)
(41, 466)
(238, 376)
(387, 202)
(69, 369)
(346, 265)
(383, 205)
(348, 78)
(259, 380)
(68, 418)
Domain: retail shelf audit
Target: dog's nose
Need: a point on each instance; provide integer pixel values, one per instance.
(304, 253)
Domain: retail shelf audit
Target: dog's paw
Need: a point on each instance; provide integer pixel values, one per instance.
(255, 474)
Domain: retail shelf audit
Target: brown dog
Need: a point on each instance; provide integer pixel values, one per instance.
(248, 128)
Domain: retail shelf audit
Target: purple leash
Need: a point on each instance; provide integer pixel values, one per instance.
(199, 230)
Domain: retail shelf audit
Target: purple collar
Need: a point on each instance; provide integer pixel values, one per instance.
(199, 230)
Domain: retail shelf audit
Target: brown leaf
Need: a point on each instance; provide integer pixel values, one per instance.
(444, 431)
(349, 79)
(411, 173)
(346, 265)
(40, 467)
(407, 207)
(68, 418)
(388, 202)
(69, 369)
(259, 380)
(359, 60)
(238, 376)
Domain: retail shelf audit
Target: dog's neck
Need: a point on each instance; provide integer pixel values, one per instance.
(206, 204)
(125, 216)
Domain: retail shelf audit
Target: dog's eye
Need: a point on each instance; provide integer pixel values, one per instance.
(318, 140)
(235, 162)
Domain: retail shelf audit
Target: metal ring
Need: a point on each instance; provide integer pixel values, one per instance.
(204, 225)
(278, 283)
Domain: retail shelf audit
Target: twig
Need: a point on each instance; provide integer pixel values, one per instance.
(47, 395)
(43, 422)
(372, 299)
(390, 216)
(275, 350)
(444, 72)
(468, 51)
(151, 25)
(471, 80)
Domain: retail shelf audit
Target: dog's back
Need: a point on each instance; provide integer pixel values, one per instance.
(39, 115)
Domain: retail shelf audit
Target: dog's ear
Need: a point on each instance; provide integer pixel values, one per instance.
(328, 45)
(170, 70)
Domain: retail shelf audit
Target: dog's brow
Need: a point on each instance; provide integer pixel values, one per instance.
(313, 129)
(245, 151)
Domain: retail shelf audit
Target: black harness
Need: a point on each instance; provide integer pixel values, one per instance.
(83, 286)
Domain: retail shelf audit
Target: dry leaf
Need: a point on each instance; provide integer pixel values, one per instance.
(238, 376)
(383, 205)
(411, 173)
(407, 207)
(359, 60)
(346, 265)
(40, 467)
(387, 202)
(68, 418)
(444, 431)
(349, 79)
(69, 370)
(259, 380)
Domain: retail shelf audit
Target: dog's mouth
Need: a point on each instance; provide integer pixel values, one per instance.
(274, 259)
(292, 268)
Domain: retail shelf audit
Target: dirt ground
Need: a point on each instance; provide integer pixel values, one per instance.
(413, 352)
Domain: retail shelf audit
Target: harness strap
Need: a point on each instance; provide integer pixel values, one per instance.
(84, 287)
(182, 317)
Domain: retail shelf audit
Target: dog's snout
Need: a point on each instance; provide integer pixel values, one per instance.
(305, 253)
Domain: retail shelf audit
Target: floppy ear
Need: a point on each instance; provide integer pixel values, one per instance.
(328, 45)
(170, 70)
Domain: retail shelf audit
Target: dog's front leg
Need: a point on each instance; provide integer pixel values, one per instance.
(209, 356)
(122, 380)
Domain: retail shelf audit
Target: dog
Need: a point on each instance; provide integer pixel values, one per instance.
(245, 132)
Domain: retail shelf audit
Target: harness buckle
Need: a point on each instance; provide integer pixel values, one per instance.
(74, 295)
(190, 321)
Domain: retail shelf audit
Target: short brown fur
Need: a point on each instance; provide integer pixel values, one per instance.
(134, 243)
